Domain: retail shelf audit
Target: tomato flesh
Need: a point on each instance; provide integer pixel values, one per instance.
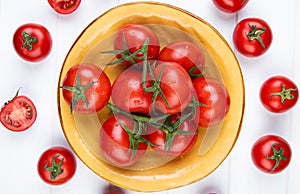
(64, 6)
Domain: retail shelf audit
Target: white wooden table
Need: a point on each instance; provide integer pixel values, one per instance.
(19, 152)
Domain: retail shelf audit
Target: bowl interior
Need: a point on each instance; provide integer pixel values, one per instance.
(170, 23)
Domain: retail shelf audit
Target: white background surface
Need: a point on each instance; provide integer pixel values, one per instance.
(19, 152)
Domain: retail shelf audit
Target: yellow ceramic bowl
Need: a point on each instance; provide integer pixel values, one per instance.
(213, 145)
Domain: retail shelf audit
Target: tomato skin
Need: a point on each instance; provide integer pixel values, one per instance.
(230, 6)
(64, 6)
(262, 149)
(128, 93)
(97, 95)
(176, 85)
(184, 53)
(57, 154)
(252, 48)
(18, 114)
(272, 99)
(40, 48)
(115, 142)
(213, 94)
(135, 36)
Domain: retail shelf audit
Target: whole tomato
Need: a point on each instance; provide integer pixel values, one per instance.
(119, 142)
(86, 88)
(18, 114)
(230, 6)
(32, 42)
(271, 154)
(64, 6)
(214, 99)
(278, 94)
(252, 37)
(185, 53)
(130, 42)
(56, 165)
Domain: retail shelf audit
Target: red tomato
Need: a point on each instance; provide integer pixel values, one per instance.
(32, 42)
(215, 99)
(184, 53)
(271, 154)
(278, 94)
(230, 6)
(118, 142)
(18, 114)
(177, 141)
(128, 93)
(86, 88)
(176, 86)
(252, 37)
(56, 165)
(131, 38)
(64, 6)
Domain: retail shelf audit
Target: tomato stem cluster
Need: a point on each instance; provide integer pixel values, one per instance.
(255, 34)
(28, 41)
(277, 156)
(285, 94)
(54, 168)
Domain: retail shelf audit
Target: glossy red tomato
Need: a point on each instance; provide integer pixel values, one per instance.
(230, 6)
(32, 42)
(56, 165)
(64, 6)
(271, 154)
(252, 37)
(213, 94)
(131, 38)
(118, 142)
(128, 93)
(185, 53)
(18, 114)
(86, 88)
(176, 86)
(279, 94)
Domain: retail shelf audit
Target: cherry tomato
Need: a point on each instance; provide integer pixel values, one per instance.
(128, 93)
(271, 154)
(130, 40)
(18, 114)
(118, 141)
(56, 165)
(184, 53)
(252, 37)
(64, 6)
(215, 100)
(32, 42)
(230, 6)
(86, 88)
(176, 88)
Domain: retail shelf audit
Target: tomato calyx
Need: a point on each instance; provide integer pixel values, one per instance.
(54, 168)
(255, 34)
(285, 94)
(28, 41)
(78, 92)
(277, 156)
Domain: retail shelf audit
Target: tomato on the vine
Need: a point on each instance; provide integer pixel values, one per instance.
(86, 88)
(279, 94)
(32, 42)
(18, 114)
(271, 154)
(56, 165)
(252, 37)
(230, 6)
(64, 6)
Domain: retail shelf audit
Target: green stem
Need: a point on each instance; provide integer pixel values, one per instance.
(255, 34)
(285, 94)
(277, 156)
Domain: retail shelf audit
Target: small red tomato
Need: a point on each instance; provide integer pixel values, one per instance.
(56, 165)
(278, 94)
(230, 6)
(32, 42)
(18, 114)
(252, 37)
(271, 154)
(64, 6)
